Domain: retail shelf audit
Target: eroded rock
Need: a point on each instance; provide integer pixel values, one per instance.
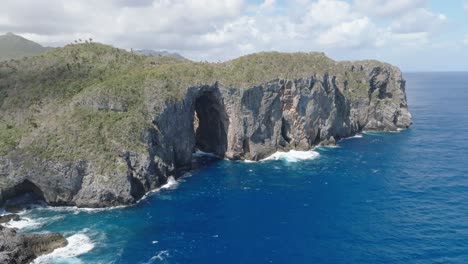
(17, 248)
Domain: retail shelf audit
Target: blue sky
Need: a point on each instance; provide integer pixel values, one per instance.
(416, 35)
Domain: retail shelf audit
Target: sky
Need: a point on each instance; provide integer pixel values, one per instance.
(416, 35)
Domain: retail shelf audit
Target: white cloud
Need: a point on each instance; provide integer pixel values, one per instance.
(112, 21)
(328, 13)
(465, 5)
(388, 8)
(417, 40)
(465, 41)
(218, 30)
(356, 33)
(420, 20)
(267, 4)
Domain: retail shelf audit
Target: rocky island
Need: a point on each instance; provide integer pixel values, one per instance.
(90, 125)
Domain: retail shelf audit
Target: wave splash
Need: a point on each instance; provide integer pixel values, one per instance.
(293, 156)
(24, 224)
(198, 154)
(29, 224)
(78, 244)
(170, 184)
(357, 136)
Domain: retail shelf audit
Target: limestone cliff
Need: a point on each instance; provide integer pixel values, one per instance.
(106, 138)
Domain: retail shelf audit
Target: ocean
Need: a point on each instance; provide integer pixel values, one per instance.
(375, 198)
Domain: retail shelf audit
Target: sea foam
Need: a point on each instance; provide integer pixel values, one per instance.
(198, 153)
(293, 156)
(24, 224)
(373, 133)
(78, 244)
(171, 183)
(357, 136)
(76, 210)
(159, 257)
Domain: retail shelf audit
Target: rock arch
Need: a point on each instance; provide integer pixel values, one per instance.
(211, 123)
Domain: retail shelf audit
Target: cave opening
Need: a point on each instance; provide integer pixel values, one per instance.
(210, 124)
(24, 195)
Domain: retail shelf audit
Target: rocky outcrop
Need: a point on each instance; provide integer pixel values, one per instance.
(282, 115)
(9, 217)
(17, 248)
(232, 122)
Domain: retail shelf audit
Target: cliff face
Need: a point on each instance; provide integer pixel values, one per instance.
(247, 121)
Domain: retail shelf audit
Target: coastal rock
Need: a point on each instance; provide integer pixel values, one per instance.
(88, 164)
(17, 248)
(7, 218)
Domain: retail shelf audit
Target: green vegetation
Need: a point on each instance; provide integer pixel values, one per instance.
(16, 47)
(92, 101)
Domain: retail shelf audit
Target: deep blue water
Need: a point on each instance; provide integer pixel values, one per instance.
(383, 198)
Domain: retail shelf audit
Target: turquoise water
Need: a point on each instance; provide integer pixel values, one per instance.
(382, 198)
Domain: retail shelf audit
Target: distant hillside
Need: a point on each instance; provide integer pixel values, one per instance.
(15, 47)
(156, 53)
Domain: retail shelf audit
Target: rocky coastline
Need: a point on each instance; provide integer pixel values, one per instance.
(246, 120)
(107, 150)
(18, 248)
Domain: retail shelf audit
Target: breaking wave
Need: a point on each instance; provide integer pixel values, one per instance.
(171, 183)
(198, 153)
(77, 210)
(78, 244)
(357, 136)
(24, 224)
(293, 156)
(29, 224)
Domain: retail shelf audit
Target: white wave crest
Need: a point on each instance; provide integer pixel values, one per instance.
(161, 256)
(29, 224)
(373, 133)
(171, 183)
(24, 223)
(76, 210)
(326, 148)
(78, 244)
(357, 136)
(198, 153)
(293, 156)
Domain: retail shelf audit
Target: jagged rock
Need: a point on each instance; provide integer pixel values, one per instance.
(7, 218)
(17, 248)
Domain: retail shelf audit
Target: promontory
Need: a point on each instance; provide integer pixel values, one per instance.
(91, 125)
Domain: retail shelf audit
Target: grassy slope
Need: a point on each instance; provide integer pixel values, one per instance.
(54, 105)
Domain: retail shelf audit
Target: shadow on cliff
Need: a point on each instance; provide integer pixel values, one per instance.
(24, 195)
(210, 123)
